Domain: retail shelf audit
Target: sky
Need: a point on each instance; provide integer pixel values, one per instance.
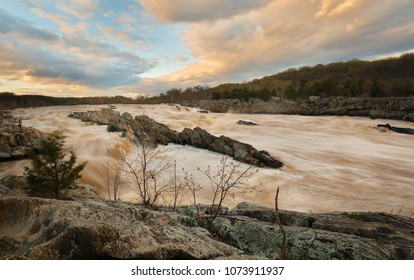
(145, 47)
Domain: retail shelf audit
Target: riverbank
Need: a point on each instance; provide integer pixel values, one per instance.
(398, 108)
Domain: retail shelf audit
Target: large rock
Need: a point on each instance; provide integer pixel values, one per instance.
(16, 143)
(318, 236)
(403, 130)
(35, 228)
(149, 130)
(89, 229)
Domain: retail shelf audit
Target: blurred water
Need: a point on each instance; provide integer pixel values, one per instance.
(331, 163)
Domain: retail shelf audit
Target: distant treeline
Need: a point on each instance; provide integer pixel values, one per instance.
(391, 77)
(9, 100)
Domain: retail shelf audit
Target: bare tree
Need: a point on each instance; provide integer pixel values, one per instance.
(284, 251)
(146, 167)
(193, 188)
(229, 176)
(114, 179)
(175, 195)
(19, 117)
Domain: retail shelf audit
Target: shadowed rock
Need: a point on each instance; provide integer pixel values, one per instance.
(241, 122)
(36, 228)
(148, 129)
(402, 130)
(15, 143)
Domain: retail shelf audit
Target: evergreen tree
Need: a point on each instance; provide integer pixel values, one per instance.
(53, 167)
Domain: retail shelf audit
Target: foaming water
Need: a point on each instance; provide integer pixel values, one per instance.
(331, 163)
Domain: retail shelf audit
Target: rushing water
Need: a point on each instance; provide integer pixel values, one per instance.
(331, 163)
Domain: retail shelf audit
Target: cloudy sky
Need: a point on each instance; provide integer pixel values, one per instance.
(131, 47)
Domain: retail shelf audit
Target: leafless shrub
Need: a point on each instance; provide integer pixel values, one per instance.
(145, 167)
(114, 178)
(229, 176)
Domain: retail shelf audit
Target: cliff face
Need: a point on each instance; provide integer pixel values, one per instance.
(400, 108)
(37, 228)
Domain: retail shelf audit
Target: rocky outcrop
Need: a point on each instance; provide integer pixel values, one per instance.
(241, 122)
(147, 129)
(35, 228)
(328, 236)
(400, 108)
(402, 130)
(16, 143)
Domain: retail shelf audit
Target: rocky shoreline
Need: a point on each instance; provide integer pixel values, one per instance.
(35, 228)
(399, 108)
(15, 143)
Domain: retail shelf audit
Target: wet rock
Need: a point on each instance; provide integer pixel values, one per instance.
(148, 130)
(241, 122)
(402, 130)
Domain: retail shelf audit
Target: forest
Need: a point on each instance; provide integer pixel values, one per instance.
(390, 77)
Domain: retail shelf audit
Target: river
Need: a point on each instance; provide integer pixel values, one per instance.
(331, 163)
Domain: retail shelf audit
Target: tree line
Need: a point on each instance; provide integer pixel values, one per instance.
(391, 77)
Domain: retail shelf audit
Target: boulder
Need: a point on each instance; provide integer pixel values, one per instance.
(35, 228)
(15, 143)
(327, 236)
(241, 122)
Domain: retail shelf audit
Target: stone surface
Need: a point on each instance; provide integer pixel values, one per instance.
(388, 127)
(400, 108)
(149, 130)
(362, 235)
(15, 143)
(242, 122)
(37, 228)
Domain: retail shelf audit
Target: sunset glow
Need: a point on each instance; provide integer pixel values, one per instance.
(134, 47)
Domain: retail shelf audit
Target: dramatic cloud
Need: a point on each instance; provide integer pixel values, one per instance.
(287, 33)
(199, 10)
(71, 56)
(147, 46)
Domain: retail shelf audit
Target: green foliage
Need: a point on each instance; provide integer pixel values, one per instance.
(52, 167)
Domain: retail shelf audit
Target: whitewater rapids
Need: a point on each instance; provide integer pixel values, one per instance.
(331, 163)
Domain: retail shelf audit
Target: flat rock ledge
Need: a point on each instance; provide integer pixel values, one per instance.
(147, 129)
(35, 228)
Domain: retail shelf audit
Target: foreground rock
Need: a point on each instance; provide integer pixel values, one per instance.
(400, 108)
(318, 236)
(16, 143)
(148, 129)
(35, 228)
